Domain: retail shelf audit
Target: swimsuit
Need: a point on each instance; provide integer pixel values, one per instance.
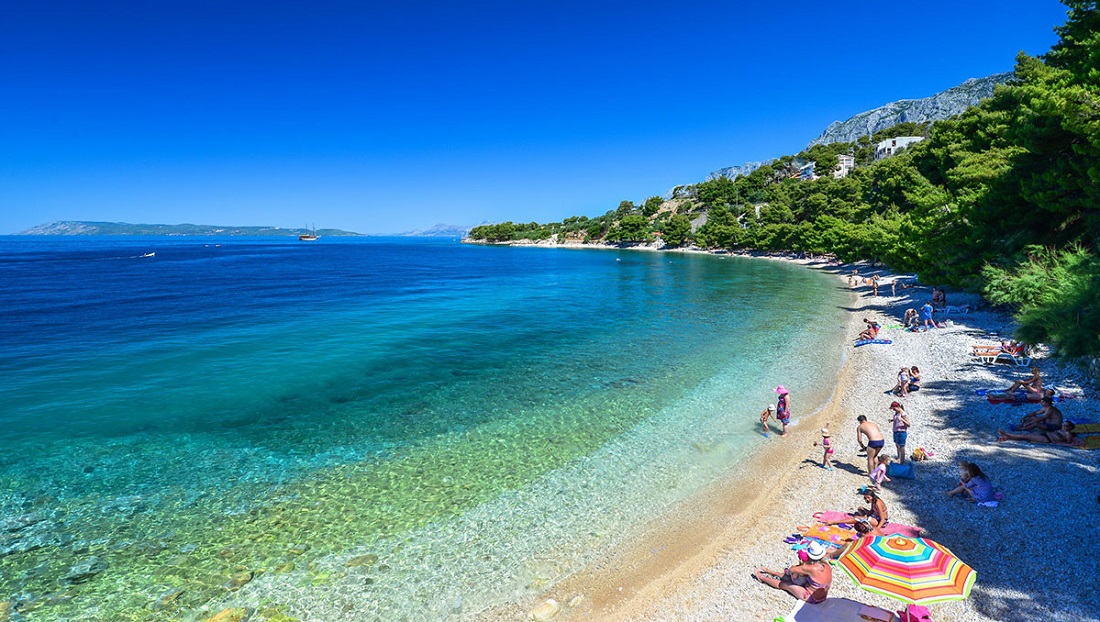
(879, 444)
(1052, 427)
(827, 444)
(814, 587)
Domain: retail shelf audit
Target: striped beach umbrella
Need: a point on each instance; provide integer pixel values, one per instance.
(912, 570)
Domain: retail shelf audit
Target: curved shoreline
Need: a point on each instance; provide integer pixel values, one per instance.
(694, 565)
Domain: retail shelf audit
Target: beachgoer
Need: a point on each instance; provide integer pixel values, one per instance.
(864, 528)
(926, 312)
(808, 581)
(978, 487)
(871, 331)
(901, 429)
(893, 287)
(1065, 436)
(879, 474)
(939, 299)
(912, 319)
(877, 513)
(783, 407)
(1047, 418)
(914, 379)
(964, 477)
(874, 285)
(875, 441)
(901, 389)
(768, 413)
(1032, 384)
(827, 445)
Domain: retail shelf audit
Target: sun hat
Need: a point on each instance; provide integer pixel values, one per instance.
(825, 432)
(816, 551)
(896, 405)
(771, 407)
(782, 390)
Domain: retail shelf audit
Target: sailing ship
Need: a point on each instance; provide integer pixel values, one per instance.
(308, 237)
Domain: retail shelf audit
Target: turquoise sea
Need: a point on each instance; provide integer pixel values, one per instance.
(369, 429)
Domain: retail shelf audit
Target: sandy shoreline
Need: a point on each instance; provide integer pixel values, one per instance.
(695, 564)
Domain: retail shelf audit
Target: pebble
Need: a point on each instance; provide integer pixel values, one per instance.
(545, 612)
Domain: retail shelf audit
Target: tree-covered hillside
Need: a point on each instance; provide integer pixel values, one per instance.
(1003, 199)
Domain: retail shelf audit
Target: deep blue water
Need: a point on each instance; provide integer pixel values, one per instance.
(222, 377)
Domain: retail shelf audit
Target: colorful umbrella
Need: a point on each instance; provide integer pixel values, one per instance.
(912, 570)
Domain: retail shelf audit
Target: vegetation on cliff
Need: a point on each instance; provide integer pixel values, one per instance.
(1004, 198)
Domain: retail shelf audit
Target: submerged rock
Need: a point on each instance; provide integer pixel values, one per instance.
(85, 570)
(167, 598)
(232, 614)
(369, 559)
(238, 580)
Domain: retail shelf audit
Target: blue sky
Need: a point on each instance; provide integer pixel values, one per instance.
(387, 117)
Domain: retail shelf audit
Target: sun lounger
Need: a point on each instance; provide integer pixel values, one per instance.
(834, 609)
(953, 309)
(1020, 360)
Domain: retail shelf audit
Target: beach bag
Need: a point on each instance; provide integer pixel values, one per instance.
(915, 613)
(904, 471)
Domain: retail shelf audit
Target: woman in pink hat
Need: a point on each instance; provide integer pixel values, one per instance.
(783, 407)
(901, 429)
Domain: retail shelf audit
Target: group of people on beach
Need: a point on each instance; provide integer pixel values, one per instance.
(811, 578)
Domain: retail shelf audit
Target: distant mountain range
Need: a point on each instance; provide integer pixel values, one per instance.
(940, 106)
(438, 231)
(74, 227)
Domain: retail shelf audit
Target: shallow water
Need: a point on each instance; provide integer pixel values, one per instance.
(377, 429)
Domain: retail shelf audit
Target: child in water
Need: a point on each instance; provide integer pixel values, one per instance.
(768, 413)
(827, 444)
(879, 474)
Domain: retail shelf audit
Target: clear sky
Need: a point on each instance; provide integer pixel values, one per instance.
(391, 116)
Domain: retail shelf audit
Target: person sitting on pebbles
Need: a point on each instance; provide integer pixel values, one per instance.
(1032, 384)
(1047, 418)
(808, 581)
(871, 331)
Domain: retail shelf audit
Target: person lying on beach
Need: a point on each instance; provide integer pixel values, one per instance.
(863, 528)
(1047, 418)
(875, 441)
(1032, 384)
(901, 389)
(1065, 436)
(871, 331)
(911, 319)
(964, 477)
(808, 581)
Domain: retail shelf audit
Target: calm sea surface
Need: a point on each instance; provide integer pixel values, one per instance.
(369, 429)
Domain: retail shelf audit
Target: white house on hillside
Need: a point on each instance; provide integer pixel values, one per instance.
(891, 146)
(847, 163)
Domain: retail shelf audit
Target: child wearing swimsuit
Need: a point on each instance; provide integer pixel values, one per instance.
(827, 444)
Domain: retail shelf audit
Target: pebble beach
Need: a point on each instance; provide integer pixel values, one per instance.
(1035, 555)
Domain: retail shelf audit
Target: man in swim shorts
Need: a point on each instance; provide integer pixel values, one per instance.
(1048, 418)
(875, 441)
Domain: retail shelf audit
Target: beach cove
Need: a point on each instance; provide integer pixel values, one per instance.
(695, 564)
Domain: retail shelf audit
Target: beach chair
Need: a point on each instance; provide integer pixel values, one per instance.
(1018, 356)
(964, 309)
(987, 354)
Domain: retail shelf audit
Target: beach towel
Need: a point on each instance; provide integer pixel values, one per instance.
(1091, 442)
(1086, 427)
(830, 534)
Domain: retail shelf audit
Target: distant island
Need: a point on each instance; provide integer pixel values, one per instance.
(70, 227)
